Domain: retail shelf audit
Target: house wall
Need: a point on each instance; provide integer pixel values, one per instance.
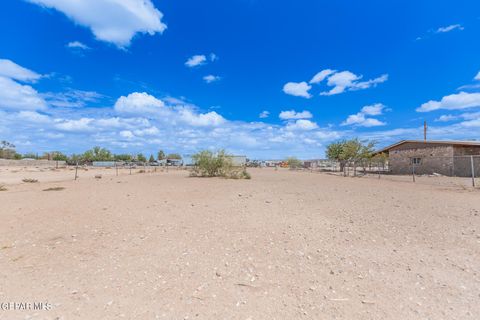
(435, 158)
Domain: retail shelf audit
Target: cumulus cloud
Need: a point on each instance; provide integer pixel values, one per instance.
(322, 75)
(201, 119)
(302, 124)
(361, 118)
(340, 81)
(77, 45)
(298, 89)
(264, 114)
(138, 103)
(80, 125)
(348, 81)
(113, 21)
(211, 78)
(292, 114)
(196, 60)
(449, 28)
(462, 100)
(10, 69)
(14, 95)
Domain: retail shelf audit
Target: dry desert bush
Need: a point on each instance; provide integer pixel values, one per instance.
(54, 189)
(30, 180)
(209, 164)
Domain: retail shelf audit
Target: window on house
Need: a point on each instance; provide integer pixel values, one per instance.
(416, 160)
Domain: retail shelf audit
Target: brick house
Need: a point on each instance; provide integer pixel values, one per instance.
(450, 158)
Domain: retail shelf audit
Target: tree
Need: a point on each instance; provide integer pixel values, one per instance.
(350, 151)
(7, 150)
(161, 155)
(123, 157)
(58, 156)
(141, 158)
(175, 156)
(151, 159)
(293, 163)
(335, 152)
(29, 155)
(97, 154)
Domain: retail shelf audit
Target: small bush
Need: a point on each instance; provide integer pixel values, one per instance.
(29, 180)
(2, 188)
(54, 189)
(294, 163)
(209, 164)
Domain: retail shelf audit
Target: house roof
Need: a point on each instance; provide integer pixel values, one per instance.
(450, 142)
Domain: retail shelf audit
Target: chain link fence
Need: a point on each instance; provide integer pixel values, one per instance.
(455, 170)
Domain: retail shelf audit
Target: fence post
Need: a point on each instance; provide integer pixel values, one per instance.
(473, 171)
(413, 170)
(76, 169)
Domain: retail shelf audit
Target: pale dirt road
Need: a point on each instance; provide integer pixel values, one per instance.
(284, 245)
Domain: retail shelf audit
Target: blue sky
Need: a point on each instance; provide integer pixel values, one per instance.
(265, 78)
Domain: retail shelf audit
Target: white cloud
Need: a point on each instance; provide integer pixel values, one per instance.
(150, 131)
(373, 110)
(292, 114)
(450, 28)
(302, 124)
(446, 118)
(200, 119)
(322, 75)
(127, 134)
(264, 114)
(462, 100)
(297, 89)
(32, 116)
(213, 57)
(80, 125)
(10, 69)
(138, 103)
(361, 118)
(114, 21)
(71, 98)
(196, 60)
(348, 81)
(77, 45)
(477, 77)
(14, 95)
(211, 78)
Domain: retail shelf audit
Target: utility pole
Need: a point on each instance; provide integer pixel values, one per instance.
(425, 131)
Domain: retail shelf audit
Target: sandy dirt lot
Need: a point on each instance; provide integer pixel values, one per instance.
(284, 245)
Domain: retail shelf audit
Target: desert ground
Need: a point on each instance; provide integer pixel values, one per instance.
(283, 245)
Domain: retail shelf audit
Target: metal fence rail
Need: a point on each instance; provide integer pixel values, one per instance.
(461, 166)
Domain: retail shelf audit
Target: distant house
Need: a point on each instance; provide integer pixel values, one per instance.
(238, 161)
(450, 158)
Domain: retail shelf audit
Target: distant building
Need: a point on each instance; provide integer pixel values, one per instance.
(103, 164)
(239, 161)
(450, 158)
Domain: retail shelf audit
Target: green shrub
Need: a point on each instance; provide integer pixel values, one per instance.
(219, 164)
(294, 163)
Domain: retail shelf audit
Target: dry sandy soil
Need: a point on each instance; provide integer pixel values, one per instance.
(284, 245)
